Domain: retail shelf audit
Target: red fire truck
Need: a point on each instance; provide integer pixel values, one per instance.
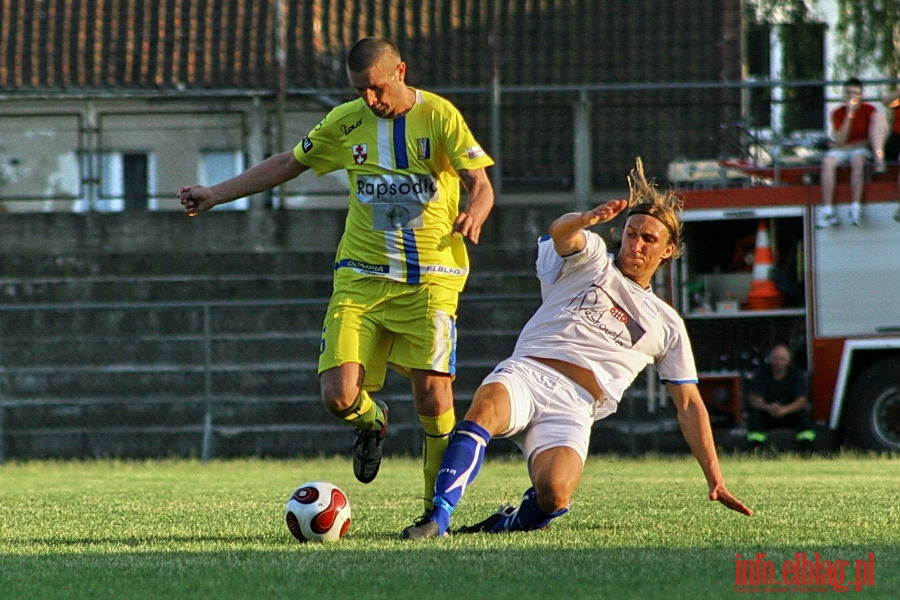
(837, 304)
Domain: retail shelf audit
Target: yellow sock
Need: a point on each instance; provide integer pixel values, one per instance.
(437, 437)
(363, 413)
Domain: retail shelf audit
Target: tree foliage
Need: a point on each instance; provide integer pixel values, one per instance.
(867, 31)
(869, 34)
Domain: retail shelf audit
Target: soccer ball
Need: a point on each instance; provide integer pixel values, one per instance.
(318, 511)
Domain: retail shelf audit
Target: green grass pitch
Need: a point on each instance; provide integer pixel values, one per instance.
(638, 528)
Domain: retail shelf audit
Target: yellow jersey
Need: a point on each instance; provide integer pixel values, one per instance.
(404, 188)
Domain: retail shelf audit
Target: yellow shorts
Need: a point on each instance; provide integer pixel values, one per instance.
(376, 322)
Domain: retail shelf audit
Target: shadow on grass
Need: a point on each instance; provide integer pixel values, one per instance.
(478, 566)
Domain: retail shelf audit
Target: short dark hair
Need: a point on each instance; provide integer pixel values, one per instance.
(368, 51)
(853, 82)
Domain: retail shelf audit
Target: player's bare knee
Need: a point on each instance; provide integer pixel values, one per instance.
(432, 392)
(337, 403)
(337, 397)
(340, 387)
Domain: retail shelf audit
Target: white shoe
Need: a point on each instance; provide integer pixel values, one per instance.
(827, 218)
(855, 214)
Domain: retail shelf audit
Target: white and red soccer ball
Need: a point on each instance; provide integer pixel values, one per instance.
(318, 511)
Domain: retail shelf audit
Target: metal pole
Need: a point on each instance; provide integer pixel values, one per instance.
(582, 152)
(206, 447)
(2, 411)
(2, 434)
(496, 118)
(280, 99)
(260, 226)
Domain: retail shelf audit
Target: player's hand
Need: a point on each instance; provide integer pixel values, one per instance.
(469, 225)
(195, 199)
(723, 496)
(604, 212)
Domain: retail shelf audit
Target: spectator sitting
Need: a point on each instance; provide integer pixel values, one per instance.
(858, 128)
(777, 399)
(892, 144)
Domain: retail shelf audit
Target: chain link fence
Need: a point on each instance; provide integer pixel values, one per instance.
(127, 355)
(230, 373)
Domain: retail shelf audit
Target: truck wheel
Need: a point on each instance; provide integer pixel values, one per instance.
(873, 417)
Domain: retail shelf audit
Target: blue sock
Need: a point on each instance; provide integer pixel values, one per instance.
(528, 516)
(460, 465)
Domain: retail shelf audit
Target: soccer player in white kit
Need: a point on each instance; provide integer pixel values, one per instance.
(599, 325)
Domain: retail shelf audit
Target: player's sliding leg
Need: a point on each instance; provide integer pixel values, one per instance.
(527, 517)
(437, 438)
(555, 473)
(461, 463)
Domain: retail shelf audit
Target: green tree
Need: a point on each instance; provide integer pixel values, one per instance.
(801, 40)
(868, 33)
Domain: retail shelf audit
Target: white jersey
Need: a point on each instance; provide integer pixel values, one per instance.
(595, 317)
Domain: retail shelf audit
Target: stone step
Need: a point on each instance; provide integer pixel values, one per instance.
(172, 319)
(157, 288)
(247, 380)
(165, 264)
(511, 224)
(38, 352)
(184, 265)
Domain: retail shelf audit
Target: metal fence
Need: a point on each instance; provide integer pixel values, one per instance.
(208, 378)
(100, 364)
(132, 153)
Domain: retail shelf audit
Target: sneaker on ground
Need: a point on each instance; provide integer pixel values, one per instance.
(855, 214)
(422, 528)
(487, 524)
(827, 219)
(367, 448)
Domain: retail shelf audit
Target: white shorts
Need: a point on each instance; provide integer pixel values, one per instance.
(843, 155)
(547, 409)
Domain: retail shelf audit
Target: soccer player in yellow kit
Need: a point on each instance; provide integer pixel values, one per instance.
(402, 261)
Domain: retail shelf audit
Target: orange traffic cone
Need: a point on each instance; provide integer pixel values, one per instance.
(763, 294)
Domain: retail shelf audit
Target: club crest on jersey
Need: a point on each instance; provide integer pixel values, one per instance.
(596, 308)
(360, 153)
(619, 314)
(424, 148)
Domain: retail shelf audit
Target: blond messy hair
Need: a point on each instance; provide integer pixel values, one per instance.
(665, 206)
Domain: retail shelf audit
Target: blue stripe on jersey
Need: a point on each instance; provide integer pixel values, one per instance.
(680, 381)
(452, 362)
(413, 274)
(401, 160)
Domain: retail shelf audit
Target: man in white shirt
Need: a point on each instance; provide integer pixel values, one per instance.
(599, 325)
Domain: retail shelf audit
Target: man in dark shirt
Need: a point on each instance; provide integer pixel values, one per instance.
(777, 399)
